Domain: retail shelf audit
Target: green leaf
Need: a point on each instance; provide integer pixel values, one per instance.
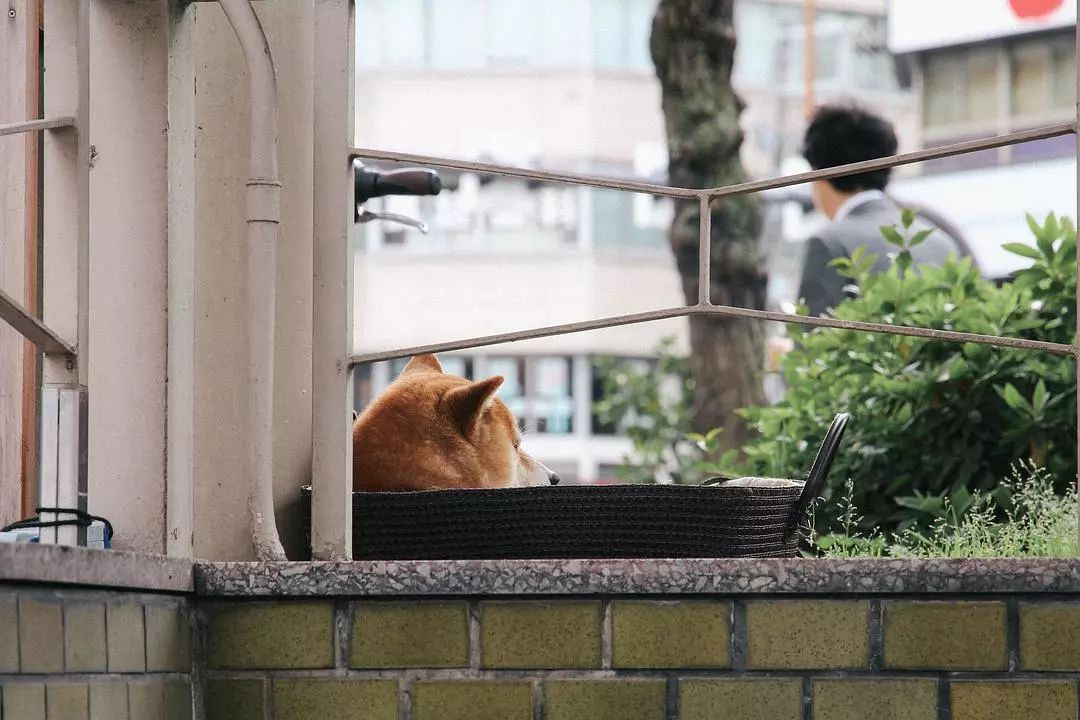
(920, 237)
(1038, 401)
(907, 217)
(1046, 244)
(892, 235)
(1033, 224)
(904, 260)
(867, 264)
(1022, 249)
(1012, 397)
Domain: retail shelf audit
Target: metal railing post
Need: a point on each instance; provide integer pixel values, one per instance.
(65, 297)
(1076, 339)
(331, 373)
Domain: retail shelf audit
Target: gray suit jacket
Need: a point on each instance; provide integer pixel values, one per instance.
(823, 288)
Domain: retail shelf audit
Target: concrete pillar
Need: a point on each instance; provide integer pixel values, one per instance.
(129, 202)
(218, 374)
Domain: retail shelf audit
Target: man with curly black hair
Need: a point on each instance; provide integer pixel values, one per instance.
(856, 205)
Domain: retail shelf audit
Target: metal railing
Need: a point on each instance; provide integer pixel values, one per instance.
(331, 520)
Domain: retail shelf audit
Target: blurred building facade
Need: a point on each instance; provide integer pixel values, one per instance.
(981, 68)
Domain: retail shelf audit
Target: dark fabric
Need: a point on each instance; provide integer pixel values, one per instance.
(822, 287)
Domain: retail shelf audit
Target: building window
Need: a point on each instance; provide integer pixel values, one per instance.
(512, 391)
(961, 88)
(977, 91)
(552, 394)
(1042, 81)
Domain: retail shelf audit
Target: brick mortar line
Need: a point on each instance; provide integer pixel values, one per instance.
(18, 638)
(343, 620)
(465, 674)
(108, 645)
(145, 638)
(1012, 630)
(539, 699)
(197, 650)
(944, 698)
(96, 594)
(808, 697)
(607, 634)
(739, 637)
(91, 678)
(877, 635)
(672, 697)
(475, 652)
(269, 705)
(405, 698)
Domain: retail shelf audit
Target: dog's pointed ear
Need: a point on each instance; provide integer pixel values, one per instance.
(466, 404)
(422, 363)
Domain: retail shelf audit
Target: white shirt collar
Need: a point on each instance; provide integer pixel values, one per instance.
(859, 198)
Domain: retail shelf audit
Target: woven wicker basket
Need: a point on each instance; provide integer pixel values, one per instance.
(745, 517)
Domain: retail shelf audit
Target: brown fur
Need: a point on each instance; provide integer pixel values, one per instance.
(432, 430)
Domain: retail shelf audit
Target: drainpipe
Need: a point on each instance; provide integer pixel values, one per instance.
(263, 214)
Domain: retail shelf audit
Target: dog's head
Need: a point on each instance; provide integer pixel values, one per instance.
(434, 430)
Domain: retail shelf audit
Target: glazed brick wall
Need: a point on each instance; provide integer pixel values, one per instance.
(81, 654)
(919, 657)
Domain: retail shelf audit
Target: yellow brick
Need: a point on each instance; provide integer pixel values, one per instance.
(109, 701)
(877, 699)
(168, 640)
(127, 638)
(540, 635)
(270, 635)
(235, 700)
(472, 700)
(335, 700)
(9, 635)
(945, 635)
(84, 625)
(1018, 700)
(410, 635)
(24, 701)
(741, 699)
(66, 702)
(679, 634)
(41, 636)
(807, 634)
(146, 700)
(606, 699)
(1050, 636)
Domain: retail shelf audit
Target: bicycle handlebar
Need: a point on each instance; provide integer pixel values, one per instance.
(371, 183)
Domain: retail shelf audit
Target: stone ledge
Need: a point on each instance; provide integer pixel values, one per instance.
(112, 569)
(691, 576)
(115, 569)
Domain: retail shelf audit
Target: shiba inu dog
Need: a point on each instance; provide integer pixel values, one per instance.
(430, 430)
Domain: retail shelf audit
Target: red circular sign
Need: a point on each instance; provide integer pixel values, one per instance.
(1033, 9)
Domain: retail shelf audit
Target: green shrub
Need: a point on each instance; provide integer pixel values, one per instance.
(650, 404)
(931, 419)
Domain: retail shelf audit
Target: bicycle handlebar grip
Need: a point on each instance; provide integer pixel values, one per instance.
(407, 181)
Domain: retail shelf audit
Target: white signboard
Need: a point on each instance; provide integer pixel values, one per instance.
(925, 24)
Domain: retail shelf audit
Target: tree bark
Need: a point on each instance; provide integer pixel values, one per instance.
(693, 49)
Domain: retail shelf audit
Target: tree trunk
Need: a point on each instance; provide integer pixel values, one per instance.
(693, 49)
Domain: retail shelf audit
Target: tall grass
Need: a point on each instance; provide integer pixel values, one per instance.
(1032, 521)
